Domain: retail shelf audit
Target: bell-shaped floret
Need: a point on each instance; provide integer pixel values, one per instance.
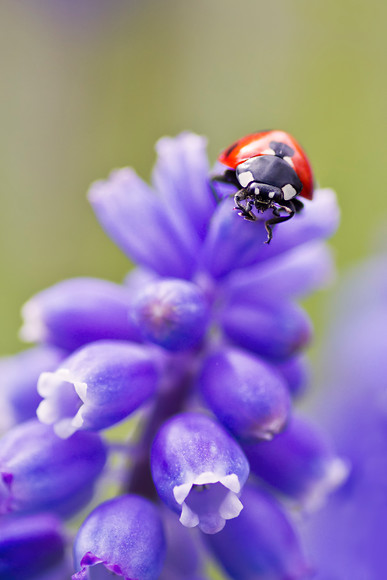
(122, 537)
(97, 386)
(199, 471)
(39, 471)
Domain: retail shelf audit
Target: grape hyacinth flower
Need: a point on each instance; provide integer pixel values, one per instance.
(205, 338)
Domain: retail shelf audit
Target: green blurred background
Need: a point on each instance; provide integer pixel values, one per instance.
(87, 86)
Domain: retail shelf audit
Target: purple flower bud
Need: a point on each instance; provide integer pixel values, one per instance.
(171, 313)
(41, 472)
(97, 386)
(274, 330)
(32, 547)
(298, 463)
(18, 377)
(246, 394)
(135, 218)
(77, 311)
(261, 543)
(124, 537)
(199, 471)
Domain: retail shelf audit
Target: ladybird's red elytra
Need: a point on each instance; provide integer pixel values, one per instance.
(271, 171)
(259, 144)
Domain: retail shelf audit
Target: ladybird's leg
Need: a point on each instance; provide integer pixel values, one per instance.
(290, 211)
(245, 209)
(229, 177)
(298, 205)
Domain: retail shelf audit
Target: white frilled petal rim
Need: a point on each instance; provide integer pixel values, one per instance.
(227, 508)
(56, 388)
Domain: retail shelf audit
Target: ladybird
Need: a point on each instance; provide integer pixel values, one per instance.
(271, 171)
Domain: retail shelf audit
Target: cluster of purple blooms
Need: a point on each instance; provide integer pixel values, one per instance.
(204, 343)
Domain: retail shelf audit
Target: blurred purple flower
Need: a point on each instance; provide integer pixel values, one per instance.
(346, 539)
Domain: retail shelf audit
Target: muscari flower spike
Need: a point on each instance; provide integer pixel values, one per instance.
(205, 336)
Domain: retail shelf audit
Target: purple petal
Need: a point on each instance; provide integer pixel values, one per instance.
(97, 386)
(77, 311)
(135, 218)
(296, 273)
(181, 177)
(234, 243)
(231, 242)
(318, 220)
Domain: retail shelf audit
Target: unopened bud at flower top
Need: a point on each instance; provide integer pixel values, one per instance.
(171, 313)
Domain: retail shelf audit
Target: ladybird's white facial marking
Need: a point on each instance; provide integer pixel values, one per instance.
(288, 191)
(245, 178)
(271, 194)
(289, 160)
